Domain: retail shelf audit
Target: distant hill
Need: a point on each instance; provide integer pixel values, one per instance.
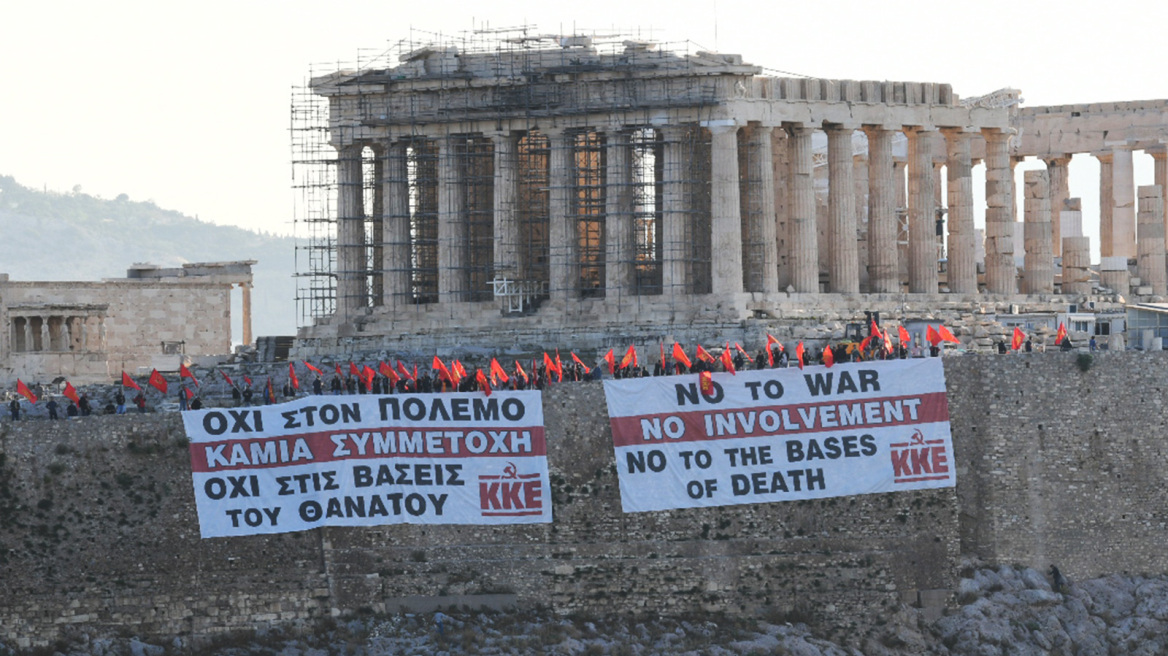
(74, 236)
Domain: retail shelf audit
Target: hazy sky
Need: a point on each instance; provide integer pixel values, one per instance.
(188, 103)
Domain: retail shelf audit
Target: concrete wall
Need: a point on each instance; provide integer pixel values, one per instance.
(1057, 465)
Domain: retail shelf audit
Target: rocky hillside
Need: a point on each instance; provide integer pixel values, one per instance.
(1005, 611)
(75, 236)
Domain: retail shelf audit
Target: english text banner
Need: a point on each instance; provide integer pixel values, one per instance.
(781, 434)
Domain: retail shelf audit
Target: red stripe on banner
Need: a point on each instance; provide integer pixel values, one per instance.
(525, 513)
(310, 448)
(901, 445)
(921, 478)
(800, 419)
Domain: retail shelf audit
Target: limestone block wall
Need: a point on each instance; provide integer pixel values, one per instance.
(1059, 465)
(1055, 465)
(141, 314)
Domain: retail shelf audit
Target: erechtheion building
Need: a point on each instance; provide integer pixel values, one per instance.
(92, 331)
(562, 184)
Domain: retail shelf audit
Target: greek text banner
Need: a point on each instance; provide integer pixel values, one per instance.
(781, 434)
(370, 460)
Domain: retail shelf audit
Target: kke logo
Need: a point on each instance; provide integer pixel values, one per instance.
(919, 460)
(511, 494)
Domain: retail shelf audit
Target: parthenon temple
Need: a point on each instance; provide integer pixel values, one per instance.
(572, 181)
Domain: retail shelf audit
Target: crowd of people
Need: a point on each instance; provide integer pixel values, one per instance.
(455, 376)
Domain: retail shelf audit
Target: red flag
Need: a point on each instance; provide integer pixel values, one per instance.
(727, 361)
(247, 380)
(799, 354)
(662, 346)
(157, 381)
(24, 391)
(741, 350)
(443, 372)
(864, 343)
(339, 372)
(946, 335)
(183, 372)
(367, 374)
(887, 341)
(1019, 337)
(405, 373)
(680, 356)
(386, 370)
(313, 369)
(353, 369)
(630, 357)
(521, 372)
(873, 329)
(611, 360)
(932, 335)
(1062, 334)
(269, 393)
(828, 356)
(706, 382)
(458, 370)
(129, 382)
(703, 354)
(484, 384)
(225, 377)
(770, 353)
(291, 376)
(498, 371)
(549, 367)
(559, 368)
(581, 362)
(189, 394)
(71, 393)
(904, 338)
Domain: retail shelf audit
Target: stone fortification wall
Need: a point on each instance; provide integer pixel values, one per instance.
(98, 528)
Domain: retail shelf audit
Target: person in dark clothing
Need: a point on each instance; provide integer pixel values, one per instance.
(289, 391)
(247, 394)
(1001, 347)
(1066, 344)
(236, 396)
(317, 386)
(72, 411)
(51, 406)
(109, 409)
(196, 403)
(83, 403)
(120, 402)
(14, 409)
(1029, 346)
(140, 401)
(336, 385)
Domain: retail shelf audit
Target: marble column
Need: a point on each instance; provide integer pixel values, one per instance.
(563, 264)
(844, 267)
(1038, 268)
(1056, 168)
(675, 219)
(504, 196)
(619, 227)
(245, 311)
(780, 174)
(395, 228)
(725, 211)
(452, 271)
(803, 229)
(922, 271)
(1123, 215)
(350, 248)
(1151, 262)
(900, 187)
(959, 167)
(883, 268)
(1076, 265)
(1160, 175)
(1106, 203)
(1000, 271)
(762, 269)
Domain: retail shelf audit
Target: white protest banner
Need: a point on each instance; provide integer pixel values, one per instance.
(368, 460)
(781, 434)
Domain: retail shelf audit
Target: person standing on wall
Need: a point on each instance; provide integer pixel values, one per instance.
(14, 409)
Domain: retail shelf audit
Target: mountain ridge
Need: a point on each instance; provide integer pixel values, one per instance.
(100, 238)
